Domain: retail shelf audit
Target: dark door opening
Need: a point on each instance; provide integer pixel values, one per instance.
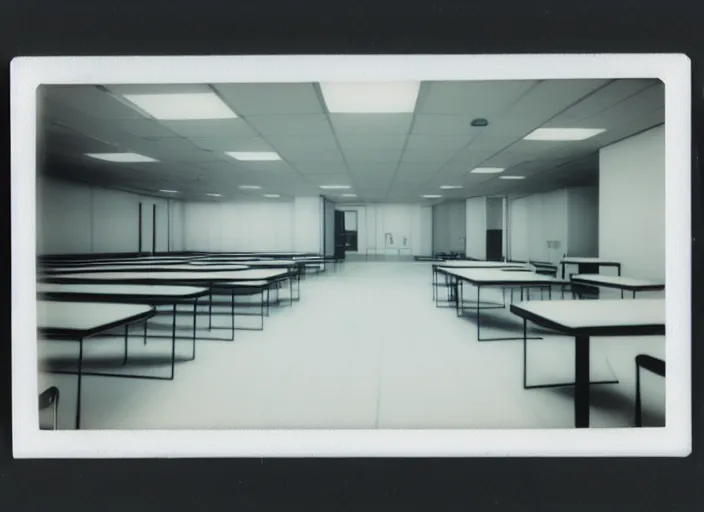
(350, 231)
(340, 236)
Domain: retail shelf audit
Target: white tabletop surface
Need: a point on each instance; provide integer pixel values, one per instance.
(84, 316)
(488, 276)
(151, 266)
(479, 264)
(581, 314)
(235, 275)
(588, 260)
(615, 280)
(213, 265)
(120, 289)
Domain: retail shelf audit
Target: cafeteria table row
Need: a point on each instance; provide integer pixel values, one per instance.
(575, 319)
(80, 305)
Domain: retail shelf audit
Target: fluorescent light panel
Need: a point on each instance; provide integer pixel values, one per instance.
(121, 157)
(168, 191)
(487, 170)
(512, 177)
(370, 97)
(349, 195)
(182, 106)
(273, 196)
(450, 187)
(335, 187)
(214, 195)
(563, 134)
(249, 187)
(431, 196)
(254, 156)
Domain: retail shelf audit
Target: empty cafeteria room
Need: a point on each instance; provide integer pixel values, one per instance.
(476, 254)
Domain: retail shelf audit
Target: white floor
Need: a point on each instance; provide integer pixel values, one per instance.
(365, 347)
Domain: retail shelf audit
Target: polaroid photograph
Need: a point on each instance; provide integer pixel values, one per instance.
(351, 256)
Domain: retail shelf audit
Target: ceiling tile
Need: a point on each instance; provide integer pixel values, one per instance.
(92, 101)
(437, 142)
(324, 141)
(372, 167)
(143, 128)
(418, 167)
(304, 124)
(360, 155)
(266, 99)
(550, 97)
(444, 124)
(427, 156)
(320, 168)
(478, 98)
(646, 101)
(371, 141)
(300, 156)
(364, 124)
(223, 144)
(211, 128)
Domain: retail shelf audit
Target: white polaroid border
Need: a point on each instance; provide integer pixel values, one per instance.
(30, 442)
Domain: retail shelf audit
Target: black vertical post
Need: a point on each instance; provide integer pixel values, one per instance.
(153, 228)
(581, 382)
(139, 228)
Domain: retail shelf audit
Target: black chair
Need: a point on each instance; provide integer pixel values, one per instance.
(653, 365)
(50, 398)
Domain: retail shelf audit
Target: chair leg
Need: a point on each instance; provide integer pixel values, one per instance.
(639, 419)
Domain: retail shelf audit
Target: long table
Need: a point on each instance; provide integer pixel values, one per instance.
(495, 278)
(468, 264)
(619, 282)
(589, 265)
(584, 319)
(79, 321)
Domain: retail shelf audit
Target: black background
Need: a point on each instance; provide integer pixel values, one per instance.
(138, 27)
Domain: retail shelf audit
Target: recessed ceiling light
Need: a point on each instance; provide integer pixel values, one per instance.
(254, 156)
(349, 195)
(450, 187)
(487, 170)
(273, 196)
(370, 97)
(249, 187)
(431, 196)
(512, 177)
(335, 187)
(168, 191)
(182, 106)
(214, 195)
(563, 133)
(121, 157)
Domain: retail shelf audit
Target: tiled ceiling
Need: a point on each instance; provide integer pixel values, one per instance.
(382, 157)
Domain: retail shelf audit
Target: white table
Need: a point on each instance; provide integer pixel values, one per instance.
(496, 278)
(81, 320)
(472, 264)
(143, 267)
(588, 265)
(583, 319)
(619, 282)
(154, 295)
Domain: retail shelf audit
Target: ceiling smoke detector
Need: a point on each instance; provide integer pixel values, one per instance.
(480, 121)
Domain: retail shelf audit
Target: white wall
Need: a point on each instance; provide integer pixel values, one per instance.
(240, 226)
(494, 213)
(449, 229)
(176, 225)
(476, 228)
(308, 224)
(519, 230)
(632, 204)
(425, 240)
(79, 218)
(583, 221)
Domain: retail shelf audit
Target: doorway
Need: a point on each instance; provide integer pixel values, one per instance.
(350, 230)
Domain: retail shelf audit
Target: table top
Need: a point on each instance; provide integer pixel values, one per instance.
(86, 318)
(212, 265)
(597, 317)
(195, 276)
(478, 264)
(599, 261)
(498, 276)
(145, 267)
(617, 281)
(146, 290)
